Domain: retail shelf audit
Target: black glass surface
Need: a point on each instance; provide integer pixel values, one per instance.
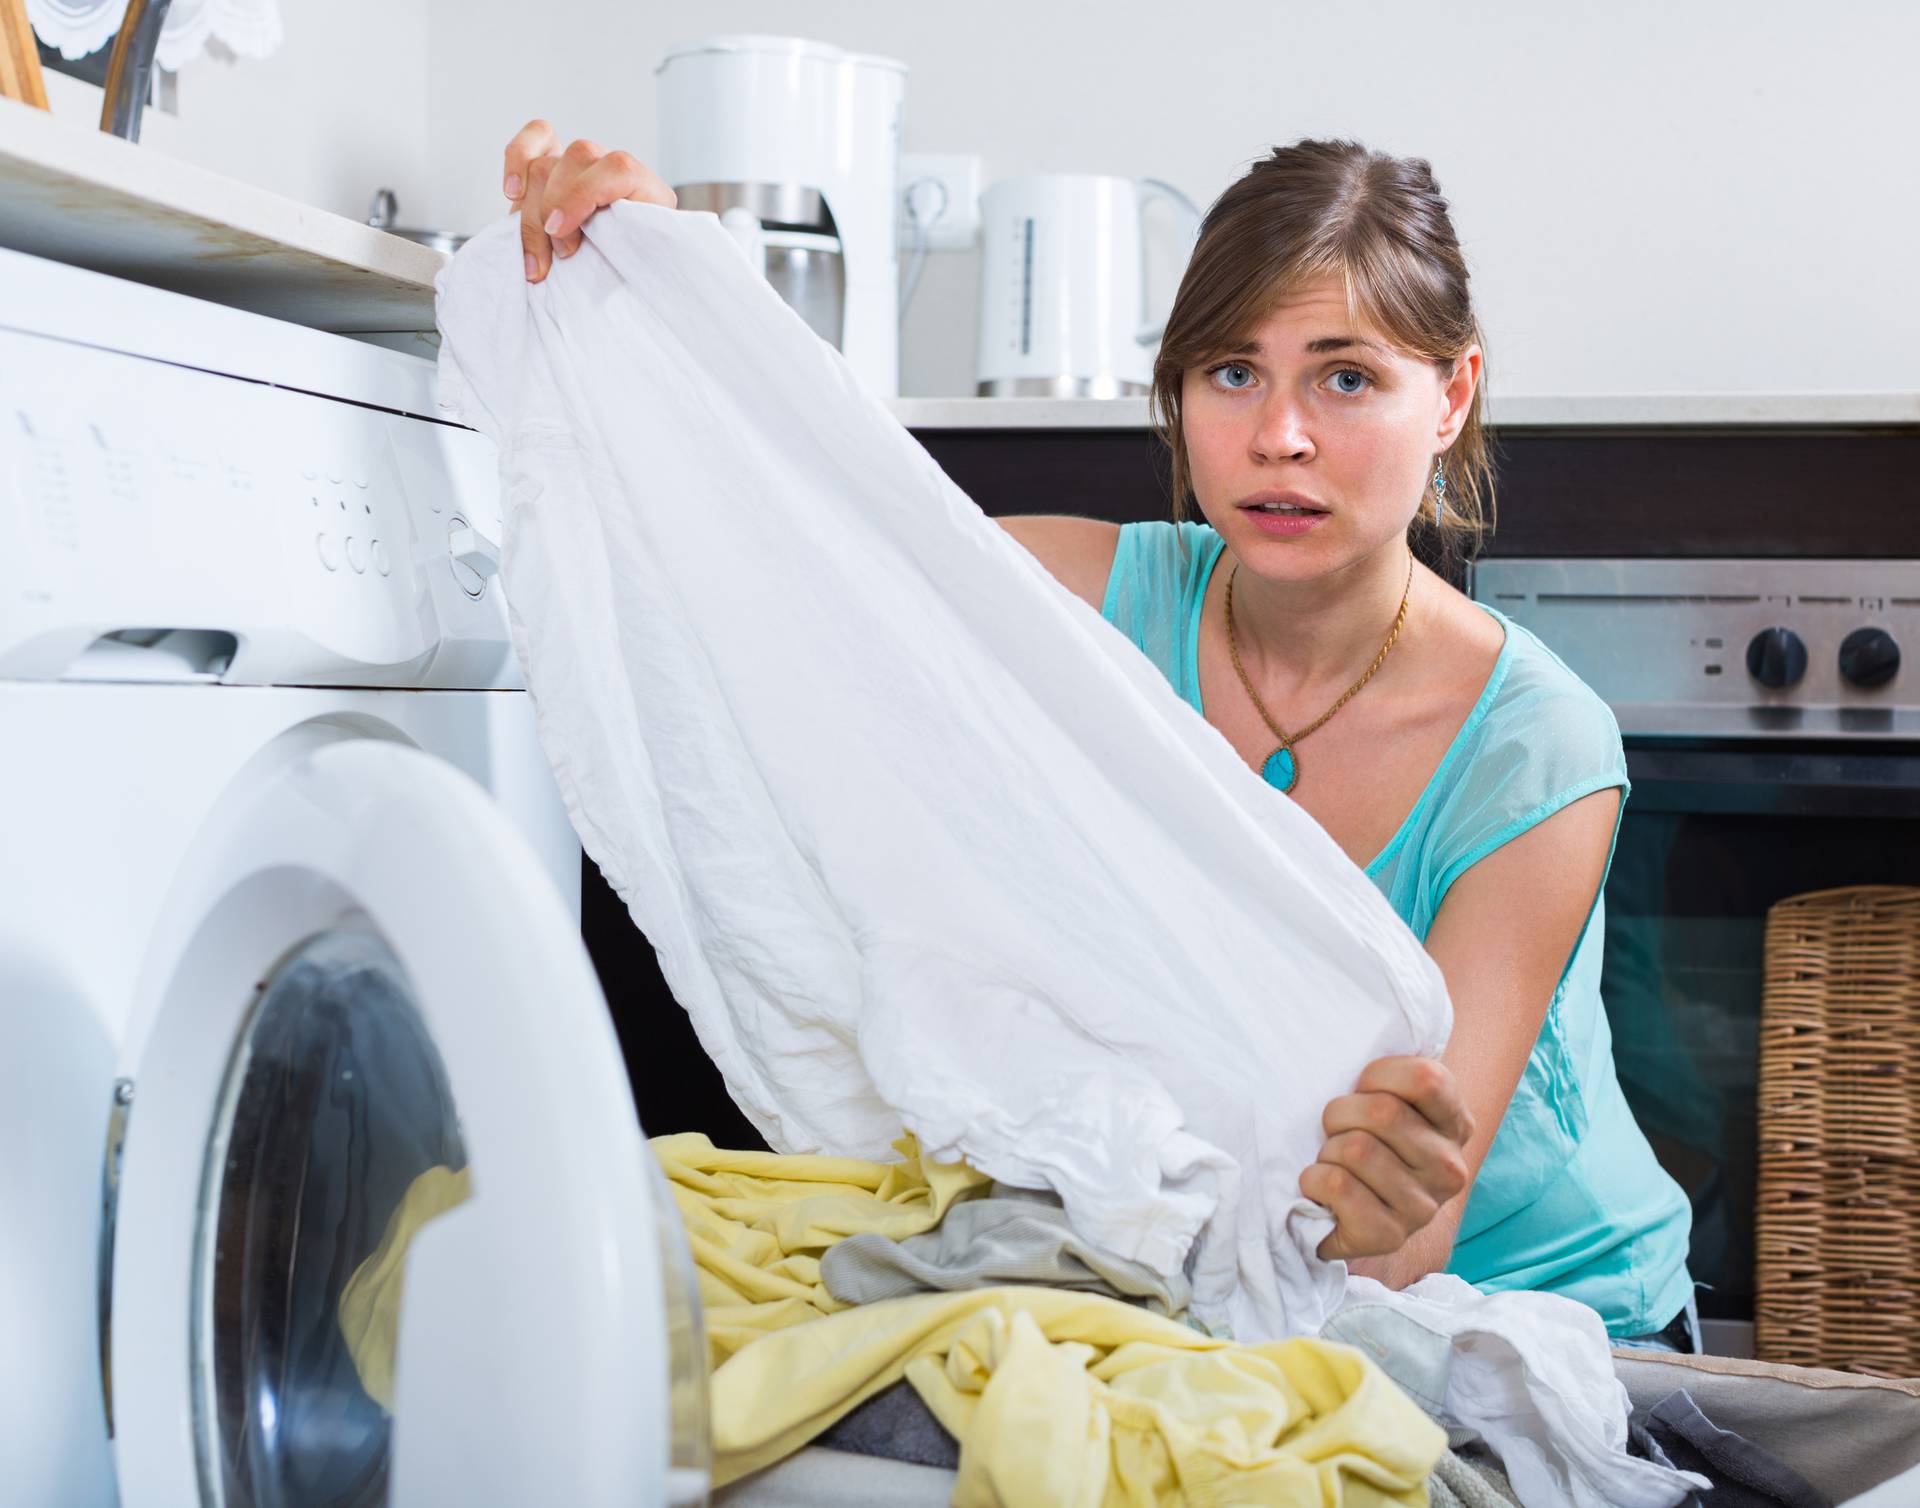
(1687, 903)
(675, 1083)
(336, 1101)
(1586, 491)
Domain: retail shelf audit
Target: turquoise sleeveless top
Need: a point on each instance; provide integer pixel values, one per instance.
(1570, 1198)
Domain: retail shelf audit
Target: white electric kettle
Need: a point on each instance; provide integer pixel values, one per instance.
(1063, 289)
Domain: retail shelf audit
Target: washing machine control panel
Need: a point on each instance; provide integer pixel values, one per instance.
(159, 522)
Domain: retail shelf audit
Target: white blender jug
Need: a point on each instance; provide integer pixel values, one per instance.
(796, 146)
(1063, 288)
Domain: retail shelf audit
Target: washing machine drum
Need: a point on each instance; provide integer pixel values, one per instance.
(337, 1109)
(386, 1226)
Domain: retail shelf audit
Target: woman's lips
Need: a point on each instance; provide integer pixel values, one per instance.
(1284, 525)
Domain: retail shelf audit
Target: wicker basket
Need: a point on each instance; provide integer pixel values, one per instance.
(1837, 1218)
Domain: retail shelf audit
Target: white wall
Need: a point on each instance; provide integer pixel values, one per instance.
(1696, 196)
(336, 112)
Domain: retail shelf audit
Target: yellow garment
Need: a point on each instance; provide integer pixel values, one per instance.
(759, 1223)
(1056, 1397)
(370, 1303)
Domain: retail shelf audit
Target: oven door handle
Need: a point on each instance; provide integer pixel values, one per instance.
(1774, 782)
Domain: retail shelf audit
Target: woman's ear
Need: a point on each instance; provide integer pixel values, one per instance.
(1456, 398)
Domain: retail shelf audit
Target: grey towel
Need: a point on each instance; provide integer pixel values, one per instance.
(1463, 1482)
(1006, 1236)
(1744, 1475)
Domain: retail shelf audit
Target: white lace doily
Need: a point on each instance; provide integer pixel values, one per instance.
(244, 28)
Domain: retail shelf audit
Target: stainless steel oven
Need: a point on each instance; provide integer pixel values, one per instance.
(1771, 715)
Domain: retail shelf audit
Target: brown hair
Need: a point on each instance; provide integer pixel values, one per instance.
(1332, 209)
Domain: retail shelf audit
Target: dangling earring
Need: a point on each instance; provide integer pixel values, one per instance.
(1439, 493)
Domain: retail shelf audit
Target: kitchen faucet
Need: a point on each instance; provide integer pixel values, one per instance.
(130, 68)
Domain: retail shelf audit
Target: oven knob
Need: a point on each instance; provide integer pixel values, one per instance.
(1869, 657)
(1777, 657)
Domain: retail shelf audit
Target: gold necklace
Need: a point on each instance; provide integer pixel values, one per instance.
(1286, 773)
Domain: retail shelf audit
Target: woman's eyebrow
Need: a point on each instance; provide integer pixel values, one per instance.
(1313, 347)
(1340, 343)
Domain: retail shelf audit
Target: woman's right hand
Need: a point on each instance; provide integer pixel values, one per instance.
(558, 192)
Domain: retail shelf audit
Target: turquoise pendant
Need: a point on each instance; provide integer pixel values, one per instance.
(1281, 770)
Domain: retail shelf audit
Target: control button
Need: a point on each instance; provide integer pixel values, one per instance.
(474, 551)
(382, 562)
(1869, 657)
(474, 557)
(360, 482)
(1777, 657)
(329, 555)
(309, 474)
(333, 476)
(357, 554)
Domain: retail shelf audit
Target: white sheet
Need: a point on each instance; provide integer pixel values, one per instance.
(919, 837)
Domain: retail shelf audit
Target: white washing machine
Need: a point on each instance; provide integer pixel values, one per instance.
(288, 931)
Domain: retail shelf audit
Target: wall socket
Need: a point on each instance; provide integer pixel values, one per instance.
(946, 191)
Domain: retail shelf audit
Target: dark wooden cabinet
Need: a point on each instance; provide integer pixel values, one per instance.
(1809, 492)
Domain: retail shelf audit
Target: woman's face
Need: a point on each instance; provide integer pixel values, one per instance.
(1326, 421)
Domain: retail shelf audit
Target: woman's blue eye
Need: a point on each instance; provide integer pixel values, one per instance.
(1234, 366)
(1360, 379)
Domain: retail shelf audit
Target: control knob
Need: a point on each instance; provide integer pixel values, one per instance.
(475, 558)
(1869, 657)
(1777, 657)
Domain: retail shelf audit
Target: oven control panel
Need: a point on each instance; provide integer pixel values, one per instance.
(1785, 648)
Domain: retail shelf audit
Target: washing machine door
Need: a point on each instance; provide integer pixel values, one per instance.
(387, 1228)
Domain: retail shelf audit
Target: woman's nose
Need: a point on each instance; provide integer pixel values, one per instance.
(1281, 434)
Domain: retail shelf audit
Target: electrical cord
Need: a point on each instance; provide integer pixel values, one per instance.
(921, 223)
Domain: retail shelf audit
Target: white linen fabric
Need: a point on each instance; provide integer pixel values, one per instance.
(1529, 1373)
(920, 839)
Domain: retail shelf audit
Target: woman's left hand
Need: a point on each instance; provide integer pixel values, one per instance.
(1393, 1156)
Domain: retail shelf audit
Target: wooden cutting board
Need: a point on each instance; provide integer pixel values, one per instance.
(19, 59)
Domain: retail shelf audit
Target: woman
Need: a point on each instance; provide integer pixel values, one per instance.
(1319, 388)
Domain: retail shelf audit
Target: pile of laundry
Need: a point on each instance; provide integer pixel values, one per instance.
(1037, 1370)
(826, 1281)
(1043, 1373)
(923, 842)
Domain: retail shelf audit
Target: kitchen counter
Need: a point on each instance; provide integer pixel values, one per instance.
(91, 200)
(1651, 410)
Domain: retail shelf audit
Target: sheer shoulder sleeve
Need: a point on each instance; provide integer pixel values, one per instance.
(1149, 589)
(1546, 741)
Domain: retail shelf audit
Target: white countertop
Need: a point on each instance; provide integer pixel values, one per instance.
(1616, 410)
(84, 197)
